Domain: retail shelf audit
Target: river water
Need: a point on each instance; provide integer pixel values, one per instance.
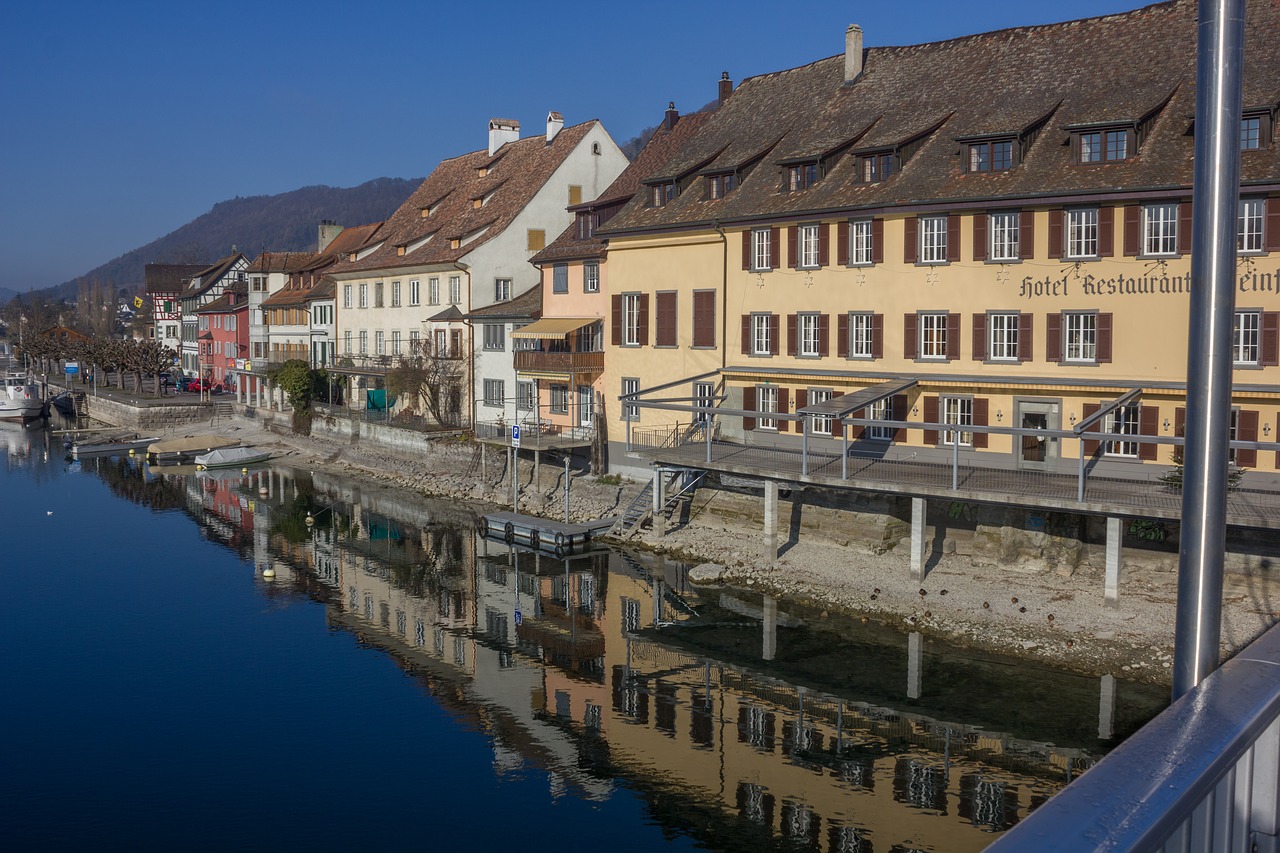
(189, 665)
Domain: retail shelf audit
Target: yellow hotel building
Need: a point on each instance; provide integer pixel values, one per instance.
(989, 233)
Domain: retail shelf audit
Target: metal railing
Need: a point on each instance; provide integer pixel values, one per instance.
(534, 433)
(1202, 776)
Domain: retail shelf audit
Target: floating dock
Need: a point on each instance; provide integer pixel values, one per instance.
(541, 534)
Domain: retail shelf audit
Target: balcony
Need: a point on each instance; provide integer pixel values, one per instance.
(559, 362)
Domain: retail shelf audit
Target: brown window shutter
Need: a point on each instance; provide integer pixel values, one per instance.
(792, 328)
(1055, 233)
(877, 336)
(1106, 231)
(855, 431)
(773, 334)
(909, 240)
(979, 337)
(899, 409)
(784, 408)
(1027, 235)
(642, 331)
(953, 237)
(1104, 338)
(793, 245)
(842, 336)
(1247, 430)
(616, 322)
(953, 336)
(1148, 424)
(802, 399)
(1271, 237)
(704, 319)
(746, 334)
(842, 243)
(824, 245)
(1269, 348)
(1053, 337)
(877, 239)
(1025, 325)
(1091, 444)
(910, 337)
(981, 418)
(1184, 228)
(980, 236)
(824, 335)
(1132, 229)
(775, 249)
(837, 428)
(1180, 422)
(665, 334)
(930, 417)
(749, 405)
(746, 249)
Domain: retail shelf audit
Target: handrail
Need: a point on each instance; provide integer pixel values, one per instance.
(1214, 754)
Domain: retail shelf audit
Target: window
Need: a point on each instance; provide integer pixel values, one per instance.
(665, 313)
(1002, 336)
(762, 249)
(346, 296)
(761, 340)
(861, 335)
(1080, 332)
(881, 410)
(877, 167)
(1245, 337)
(590, 277)
(377, 295)
(860, 242)
(526, 396)
(631, 319)
(346, 339)
(1160, 229)
(395, 343)
(719, 186)
(501, 289)
(494, 392)
(819, 423)
(630, 411)
(414, 338)
(364, 295)
(395, 294)
(704, 397)
(933, 335)
(660, 194)
(1122, 420)
(1249, 225)
(495, 337)
(802, 177)
(767, 404)
(433, 291)
(442, 343)
(991, 156)
(809, 251)
(1251, 133)
(585, 223)
(704, 318)
(455, 289)
(378, 348)
(559, 400)
(1082, 233)
(560, 278)
(808, 328)
(1103, 146)
(957, 411)
(364, 342)
(590, 338)
(933, 239)
(415, 292)
(1004, 228)
(537, 239)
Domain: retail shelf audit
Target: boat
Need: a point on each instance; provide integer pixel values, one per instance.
(111, 444)
(64, 403)
(20, 398)
(232, 457)
(177, 450)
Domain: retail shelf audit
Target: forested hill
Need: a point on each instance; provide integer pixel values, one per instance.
(287, 222)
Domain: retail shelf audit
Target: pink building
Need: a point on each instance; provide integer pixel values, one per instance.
(224, 335)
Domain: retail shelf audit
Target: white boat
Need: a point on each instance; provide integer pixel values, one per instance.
(113, 444)
(232, 457)
(20, 398)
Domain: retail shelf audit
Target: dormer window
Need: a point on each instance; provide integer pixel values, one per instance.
(426, 211)
(876, 166)
(1104, 146)
(991, 156)
(802, 176)
(1255, 130)
(719, 186)
(585, 225)
(662, 193)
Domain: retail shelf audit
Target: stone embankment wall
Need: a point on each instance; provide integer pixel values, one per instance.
(154, 418)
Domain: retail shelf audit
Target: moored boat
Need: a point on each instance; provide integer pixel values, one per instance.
(20, 398)
(177, 450)
(232, 457)
(112, 444)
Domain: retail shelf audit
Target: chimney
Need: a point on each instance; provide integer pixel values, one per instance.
(555, 123)
(726, 87)
(671, 118)
(852, 53)
(502, 131)
(328, 230)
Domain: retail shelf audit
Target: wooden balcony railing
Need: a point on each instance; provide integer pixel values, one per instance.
(560, 362)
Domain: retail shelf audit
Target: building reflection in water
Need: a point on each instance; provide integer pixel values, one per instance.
(603, 668)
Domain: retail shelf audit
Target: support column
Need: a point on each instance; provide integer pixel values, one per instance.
(537, 468)
(484, 471)
(915, 655)
(1112, 598)
(659, 501)
(771, 520)
(917, 538)
(769, 628)
(1107, 708)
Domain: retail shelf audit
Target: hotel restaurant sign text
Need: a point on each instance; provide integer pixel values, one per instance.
(1142, 285)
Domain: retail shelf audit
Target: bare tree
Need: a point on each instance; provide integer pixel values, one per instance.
(430, 381)
(149, 356)
(96, 307)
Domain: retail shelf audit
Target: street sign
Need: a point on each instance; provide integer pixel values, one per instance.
(519, 617)
(515, 436)
(72, 367)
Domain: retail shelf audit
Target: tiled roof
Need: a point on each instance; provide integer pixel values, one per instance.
(209, 275)
(526, 305)
(222, 305)
(516, 171)
(657, 151)
(168, 278)
(1116, 68)
(285, 262)
(302, 272)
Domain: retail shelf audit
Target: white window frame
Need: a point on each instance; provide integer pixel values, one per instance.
(861, 243)
(1002, 335)
(933, 239)
(933, 335)
(1246, 337)
(433, 290)
(495, 392)
(766, 404)
(809, 329)
(558, 397)
(631, 319)
(861, 334)
(957, 411)
(364, 342)
(1004, 229)
(441, 339)
(526, 395)
(1080, 337)
(455, 290)
(501, 290)
(630, 411)
(819, 423)
(1249, 219)
(395, 342)
(379, 342)
(761, 340)
(808, 242)
(395, 294)
(346, 296)
(1122, 420)
(591, 277)
(881, 410)
(761, 249)
(1082, 233)
(346, 337)
(415, 292)
(364, 295)
(1160, 229)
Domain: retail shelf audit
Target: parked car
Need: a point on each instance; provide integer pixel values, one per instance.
(198, 385)
(184, 383)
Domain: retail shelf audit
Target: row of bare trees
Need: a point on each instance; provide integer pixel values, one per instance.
(103, 357)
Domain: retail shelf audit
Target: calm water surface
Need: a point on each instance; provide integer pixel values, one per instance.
(400, 681)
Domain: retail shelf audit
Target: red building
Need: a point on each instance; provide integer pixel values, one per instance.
(224, 335)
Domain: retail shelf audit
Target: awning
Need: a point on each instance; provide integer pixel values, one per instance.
(552, 328)
(838, 407)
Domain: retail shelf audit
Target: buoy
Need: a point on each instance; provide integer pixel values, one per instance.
(310, 520)
(509, 532)
(268, 573)
(244, 470)
(131, 451)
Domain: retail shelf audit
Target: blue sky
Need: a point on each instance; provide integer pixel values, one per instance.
(124, 120)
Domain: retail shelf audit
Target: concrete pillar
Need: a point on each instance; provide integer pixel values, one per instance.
(1107, 708)
(915, 656)
(771, 520)
(917, 538)
(657, 599)
(537, 467)
(659, 500)
(1112, 598)
(484, 471)
(769, 628)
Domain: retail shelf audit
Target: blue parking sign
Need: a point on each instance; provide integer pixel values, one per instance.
(515, 435)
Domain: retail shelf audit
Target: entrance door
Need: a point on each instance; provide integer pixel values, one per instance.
(1036, 451)
(586, 406)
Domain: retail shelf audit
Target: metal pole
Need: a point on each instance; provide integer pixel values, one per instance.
(515, 480)
(706, 426)
(804, 445)
(566, 489)
(955, 460)
(1215, 197)
(844, 455)
(1080, 475)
